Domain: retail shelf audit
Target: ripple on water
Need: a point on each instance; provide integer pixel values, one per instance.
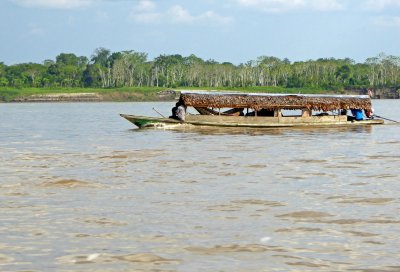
(344, 166)
(373, 242)
(307, 264)
(392, 268)
(379, 176)
(144, 154)
(220, 249)
(381, 157)
(4, 259)
(304, 229)
(69, 183)
(351, 221)
(145, 258)
(12, 185)
(238, 205)
(115, 157)
(361, 200)
(16, 194)
(224, 208)
(305, 215)
(139, 258)
(389, 142)
(359, 184)
(362, 234)
(260, 202)
(308, 161)
(102, 221)
(101, 235)
(257, 166)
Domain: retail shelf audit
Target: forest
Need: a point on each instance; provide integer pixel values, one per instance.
(106, 69)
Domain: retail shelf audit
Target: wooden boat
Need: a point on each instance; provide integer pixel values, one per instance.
(263, 110)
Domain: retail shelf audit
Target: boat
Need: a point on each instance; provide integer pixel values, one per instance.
(262, 110)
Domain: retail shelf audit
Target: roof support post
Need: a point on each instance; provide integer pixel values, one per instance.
(306, 113)
(278, 113)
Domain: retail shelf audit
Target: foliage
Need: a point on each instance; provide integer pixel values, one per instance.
(106, 69)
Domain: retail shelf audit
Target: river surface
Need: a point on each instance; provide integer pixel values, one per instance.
(82, 190)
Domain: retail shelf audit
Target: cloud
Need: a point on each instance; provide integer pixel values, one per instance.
(146, 11)
(181, 15)
(278, 6)
(382, 4)
(54, 4)
(387, 21)
(212, 16)
(145, 6)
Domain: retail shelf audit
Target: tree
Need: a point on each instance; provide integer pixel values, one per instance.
(130, 68)
(343, 73)
(168, 70)
(68, 69)
(2, 69)
(3, 80)
(102, 64)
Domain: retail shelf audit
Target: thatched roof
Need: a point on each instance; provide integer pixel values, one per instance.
(269, 101)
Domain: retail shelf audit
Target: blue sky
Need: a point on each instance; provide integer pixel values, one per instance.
(224, 30)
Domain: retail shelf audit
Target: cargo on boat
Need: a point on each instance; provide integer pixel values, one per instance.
(263, 110)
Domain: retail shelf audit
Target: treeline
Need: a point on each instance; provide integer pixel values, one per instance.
(106, 69)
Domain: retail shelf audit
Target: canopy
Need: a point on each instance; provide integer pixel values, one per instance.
(270, 101)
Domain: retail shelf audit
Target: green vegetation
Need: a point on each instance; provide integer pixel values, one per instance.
(129, 75)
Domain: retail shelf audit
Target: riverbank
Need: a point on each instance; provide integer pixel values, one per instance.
(154, 94)
(86, 95)
(166, 95)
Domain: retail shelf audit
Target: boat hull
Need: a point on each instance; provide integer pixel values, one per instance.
(147, 121)
(247, 121)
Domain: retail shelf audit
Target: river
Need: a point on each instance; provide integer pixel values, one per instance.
(82, 190)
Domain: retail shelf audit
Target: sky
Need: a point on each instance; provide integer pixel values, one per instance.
(234, 31)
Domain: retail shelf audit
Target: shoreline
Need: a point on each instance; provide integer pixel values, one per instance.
(104, 96)
(155, 95)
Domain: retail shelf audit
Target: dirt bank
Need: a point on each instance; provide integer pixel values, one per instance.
(61, 97)
(167, 95)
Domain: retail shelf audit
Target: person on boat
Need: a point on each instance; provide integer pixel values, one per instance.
(357, 115)
(179, 111)
(173, 112)
(369, 113)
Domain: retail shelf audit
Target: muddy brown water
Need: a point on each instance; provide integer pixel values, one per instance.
(82, 190)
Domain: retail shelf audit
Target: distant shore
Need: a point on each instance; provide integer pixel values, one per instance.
(153, 94)
(30, 95)
(98, 97)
